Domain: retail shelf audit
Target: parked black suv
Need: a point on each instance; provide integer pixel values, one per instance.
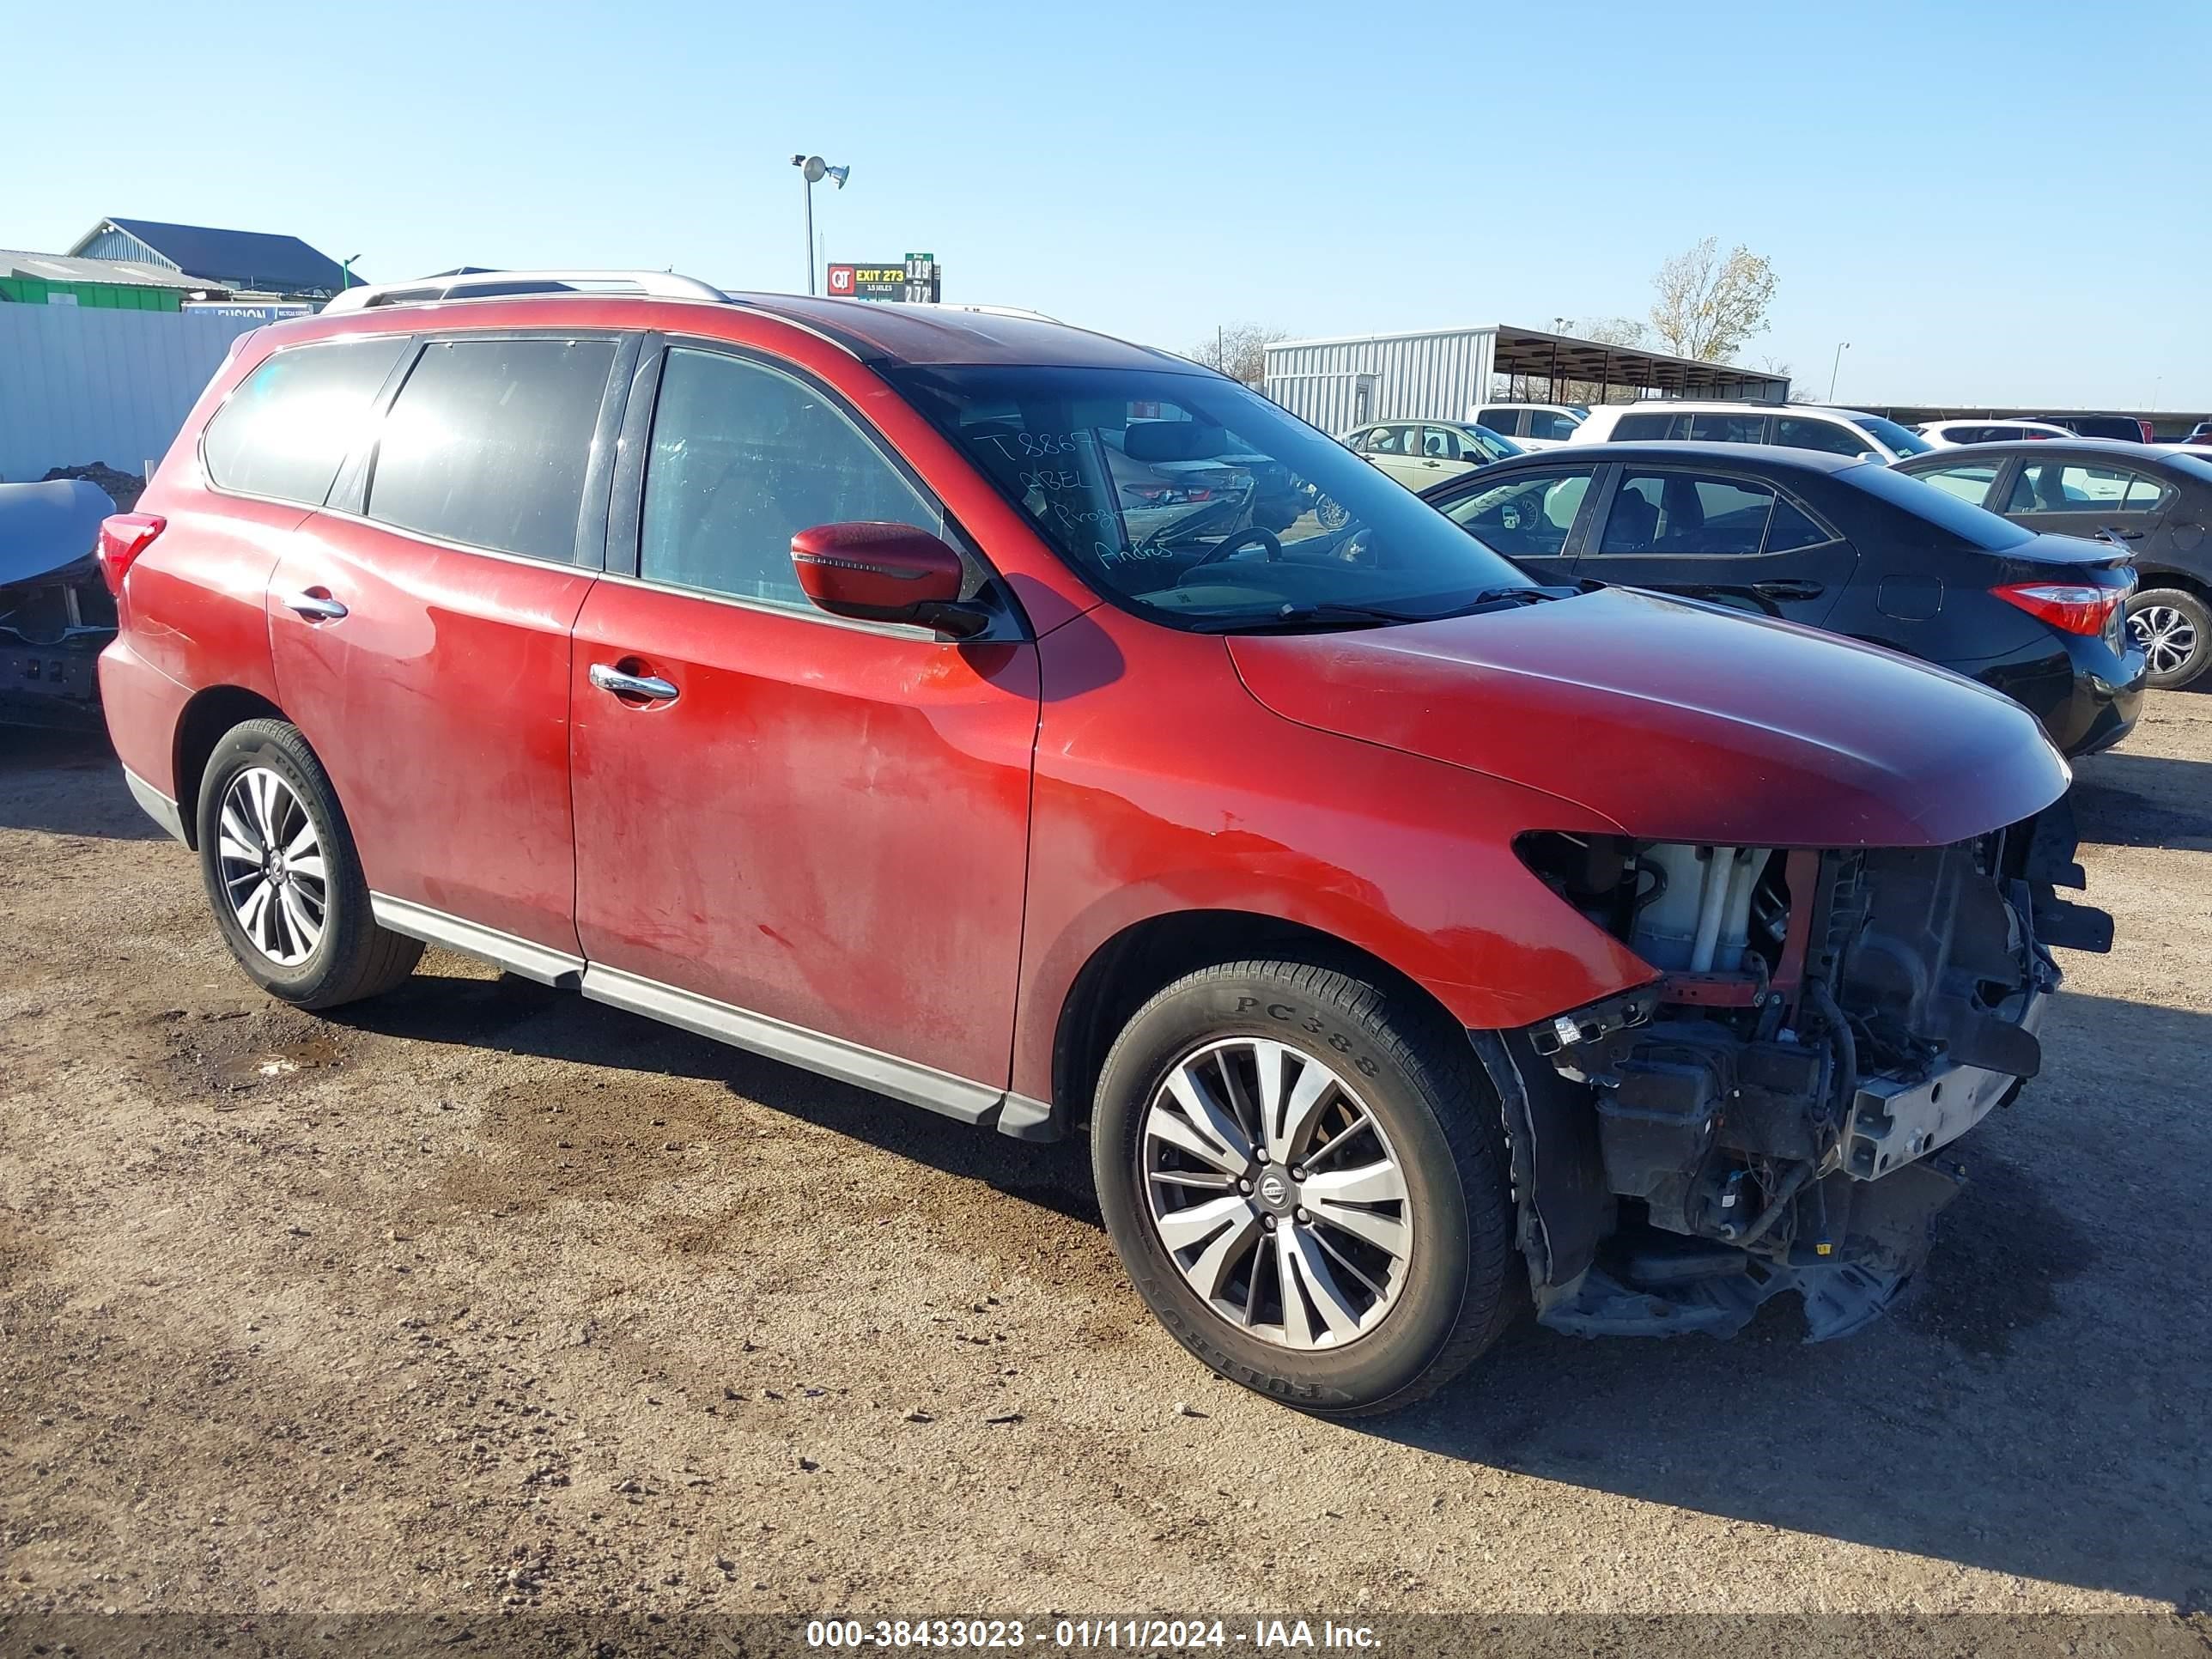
(1852, 546)
(2157, 500)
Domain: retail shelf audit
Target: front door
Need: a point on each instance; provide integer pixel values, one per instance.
(1728, 538)
(804, 835)
(419, 626)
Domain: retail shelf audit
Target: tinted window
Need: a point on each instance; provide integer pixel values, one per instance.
(1900, 441)
(2071, 487)
(1791, 528)
(1526, 517)
(487, 443)
(1797, 432)
(1729, 429)
(1629, 428)
(744, 457)
(1969, 524)
(286, 429)
(1506, 422)
(1550, 423)
(1679, 513)
(1969, 481)
(1189, 497)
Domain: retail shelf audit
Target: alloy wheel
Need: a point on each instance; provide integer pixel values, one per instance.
(1277, 1193)
(270, 861)
(2167, 635)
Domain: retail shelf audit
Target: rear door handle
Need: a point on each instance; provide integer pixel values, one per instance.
(314, 607)
(2120, 535)
(1789, 588)
(609, 678)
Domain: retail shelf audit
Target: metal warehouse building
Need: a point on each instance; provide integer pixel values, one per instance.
(1442, 375)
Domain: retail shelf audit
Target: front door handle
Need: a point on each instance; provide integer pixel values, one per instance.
(314, 607)
(608, 677)
(1787, 589)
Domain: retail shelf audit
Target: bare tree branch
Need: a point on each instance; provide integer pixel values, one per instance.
(1708, 306)
(1239, 350)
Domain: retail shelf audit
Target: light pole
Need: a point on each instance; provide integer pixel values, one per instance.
(345, 271)
(813, 170)
(1835, 368)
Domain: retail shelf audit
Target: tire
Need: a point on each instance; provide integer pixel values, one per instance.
(2174, 627)
(1405, 1321)
(309, 953)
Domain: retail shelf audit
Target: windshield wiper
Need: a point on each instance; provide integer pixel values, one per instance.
(1292, 616)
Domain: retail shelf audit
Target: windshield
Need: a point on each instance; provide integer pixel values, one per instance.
(1197, 502)
(1969, 523)
(1494, 446)
(1898, 437)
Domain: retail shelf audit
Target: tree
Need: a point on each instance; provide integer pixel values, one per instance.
(1709, 305)
(1239, 350)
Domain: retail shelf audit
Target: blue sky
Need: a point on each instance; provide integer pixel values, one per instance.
(1971, 194)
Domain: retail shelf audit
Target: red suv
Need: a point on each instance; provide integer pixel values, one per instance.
(1046, 730)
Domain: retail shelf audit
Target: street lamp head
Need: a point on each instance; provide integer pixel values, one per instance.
(839, 175)
(811, 167)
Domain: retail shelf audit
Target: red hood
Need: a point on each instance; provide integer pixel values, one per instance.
(1678, 722)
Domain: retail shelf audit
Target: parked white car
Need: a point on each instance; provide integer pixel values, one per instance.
(1793, 426)
(1949, 434)
(1419, 453)
(1532, 426)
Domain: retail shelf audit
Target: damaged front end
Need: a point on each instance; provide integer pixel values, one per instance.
(1767, 1115)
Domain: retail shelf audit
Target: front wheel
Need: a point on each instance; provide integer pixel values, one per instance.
(1302, 1170)
(278, 862)
(2174, 628)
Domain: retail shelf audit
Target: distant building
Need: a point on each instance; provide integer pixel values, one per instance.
(244, 262)
(42, 279)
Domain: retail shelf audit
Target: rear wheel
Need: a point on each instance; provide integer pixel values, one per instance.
(1302, 1170)
(2174, 628)
(280, 869)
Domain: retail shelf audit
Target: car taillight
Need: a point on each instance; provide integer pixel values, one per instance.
(2150, 434)
(122, 539)
(2065, 605)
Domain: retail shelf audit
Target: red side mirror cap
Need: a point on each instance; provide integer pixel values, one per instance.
(894, 573)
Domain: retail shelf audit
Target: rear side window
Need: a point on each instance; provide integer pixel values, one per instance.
(286, 429)
(1506, 422)
(742, 460)
(1629, 428)
(1795, 432)
(489, 441)
(1549, 423)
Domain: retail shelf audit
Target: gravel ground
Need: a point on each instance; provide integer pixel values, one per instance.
(483, 1298)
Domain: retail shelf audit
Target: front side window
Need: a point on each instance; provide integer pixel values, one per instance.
(1193, 500)
(487, 443)
(1529, 516)
(290, 424)
(1969, 481)
(1797, 432)
(1727, 428)
(1550, 423)
(1674, 513)
(2071, 487)
(743, 459)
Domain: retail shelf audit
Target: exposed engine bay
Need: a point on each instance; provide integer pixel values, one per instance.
(1771, 1114)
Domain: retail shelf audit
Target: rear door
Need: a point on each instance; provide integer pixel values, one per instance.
(2070, 494)
(1395, 448)
(815, 842)
(420, 627)
(1728, 538)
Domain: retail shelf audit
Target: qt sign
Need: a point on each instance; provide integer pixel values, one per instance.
(917, 279)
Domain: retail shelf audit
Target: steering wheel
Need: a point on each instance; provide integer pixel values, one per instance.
(1238, 539)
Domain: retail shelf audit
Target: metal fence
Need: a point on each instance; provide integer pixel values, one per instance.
(80, 384)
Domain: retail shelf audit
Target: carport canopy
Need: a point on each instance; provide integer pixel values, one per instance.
(1527, 353)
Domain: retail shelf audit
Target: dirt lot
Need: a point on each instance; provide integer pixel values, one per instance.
(484, 1298)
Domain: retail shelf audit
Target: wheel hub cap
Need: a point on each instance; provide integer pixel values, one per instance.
(1276, 1193)
(269, 857)
(2167, 637)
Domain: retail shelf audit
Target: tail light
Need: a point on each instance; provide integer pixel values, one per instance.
(2068, 607)
(2150, 434)
(122, 539)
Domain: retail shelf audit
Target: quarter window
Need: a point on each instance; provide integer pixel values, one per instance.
(1670, 514)
(487, 443)
(290, 424)
(1526, 517)
(743, 459)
